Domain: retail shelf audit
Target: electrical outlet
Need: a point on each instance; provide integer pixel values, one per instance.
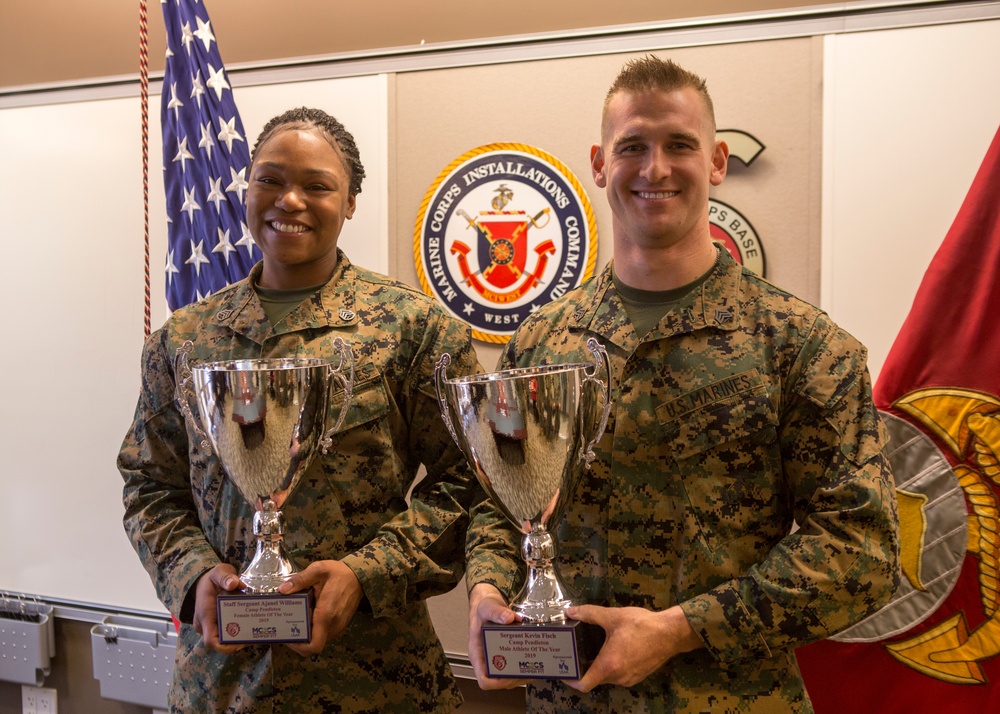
(47, 701)
(38, 700)
(29, 699)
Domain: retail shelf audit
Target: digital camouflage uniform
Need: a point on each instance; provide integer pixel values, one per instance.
(744, 410)
(184, 515)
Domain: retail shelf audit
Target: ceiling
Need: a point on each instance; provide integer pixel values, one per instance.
(54, 42)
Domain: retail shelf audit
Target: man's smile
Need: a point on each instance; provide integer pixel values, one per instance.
(656, 194)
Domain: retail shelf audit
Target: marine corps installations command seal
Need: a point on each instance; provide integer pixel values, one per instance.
(504, 229)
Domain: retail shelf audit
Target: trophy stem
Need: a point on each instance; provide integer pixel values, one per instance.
(544, 597)
(271, 564)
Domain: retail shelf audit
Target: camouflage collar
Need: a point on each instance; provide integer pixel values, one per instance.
(715, 303)
(334, 305)
(604, 313)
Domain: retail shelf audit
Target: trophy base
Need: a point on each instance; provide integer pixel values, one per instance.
(264, 618)
(546, 651)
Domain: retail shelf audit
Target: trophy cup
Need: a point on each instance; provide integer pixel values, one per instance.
(529, 434)
(264, 419)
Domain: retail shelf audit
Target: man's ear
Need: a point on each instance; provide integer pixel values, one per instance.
(720, 163)
(597, 165)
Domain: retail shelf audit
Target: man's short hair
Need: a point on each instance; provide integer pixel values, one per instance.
(651, 74)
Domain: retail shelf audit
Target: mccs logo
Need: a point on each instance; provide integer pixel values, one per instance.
(503, 230)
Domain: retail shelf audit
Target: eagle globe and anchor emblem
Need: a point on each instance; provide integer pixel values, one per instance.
(503, 230)
(503, 238)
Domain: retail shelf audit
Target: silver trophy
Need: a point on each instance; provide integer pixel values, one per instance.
(265, 419)
(529, 433)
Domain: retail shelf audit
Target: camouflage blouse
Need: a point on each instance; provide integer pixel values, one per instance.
(183, 514)
(743, 412)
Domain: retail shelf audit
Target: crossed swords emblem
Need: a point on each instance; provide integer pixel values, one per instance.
(502, 250)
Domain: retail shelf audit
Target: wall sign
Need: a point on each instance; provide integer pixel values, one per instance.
(504, 229)
(728, 225)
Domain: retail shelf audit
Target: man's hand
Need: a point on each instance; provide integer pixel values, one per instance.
(486, 604)
(220, 579)
(638, 643)
(338, 593)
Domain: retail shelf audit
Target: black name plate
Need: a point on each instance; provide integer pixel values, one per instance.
(264, 618)
(535, 651)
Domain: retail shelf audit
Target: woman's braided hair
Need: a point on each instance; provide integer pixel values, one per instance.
(340, 139)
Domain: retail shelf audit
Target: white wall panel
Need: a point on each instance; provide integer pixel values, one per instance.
(908, 116)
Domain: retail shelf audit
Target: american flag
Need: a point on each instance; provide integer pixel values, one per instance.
(206, 162)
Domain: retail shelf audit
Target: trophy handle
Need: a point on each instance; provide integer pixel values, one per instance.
(184, 383)
(347, 382)
(600, 355)
(440, 375)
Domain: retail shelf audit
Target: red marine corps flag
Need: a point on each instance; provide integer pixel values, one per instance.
(935, 647)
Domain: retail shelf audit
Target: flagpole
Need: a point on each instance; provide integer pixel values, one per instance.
(144, 104)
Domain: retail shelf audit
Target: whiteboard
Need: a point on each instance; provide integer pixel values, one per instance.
(908, 117)
(71, 282)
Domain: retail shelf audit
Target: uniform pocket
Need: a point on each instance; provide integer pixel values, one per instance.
(363, 466)
(368, 401)
(728, 459)
(355, 487)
